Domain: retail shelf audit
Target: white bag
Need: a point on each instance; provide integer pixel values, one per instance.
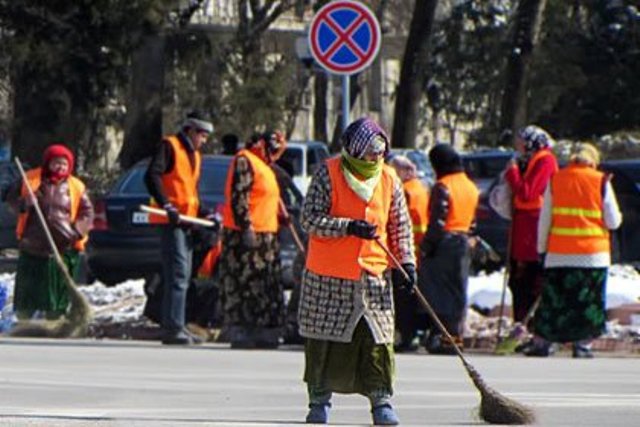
(501, 198)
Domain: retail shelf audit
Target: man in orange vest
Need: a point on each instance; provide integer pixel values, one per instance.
(445, 251)
(346, 303)
(578, 211)
(417, 195)
(172, 179)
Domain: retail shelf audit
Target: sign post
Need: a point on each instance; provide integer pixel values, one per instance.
(344, 38)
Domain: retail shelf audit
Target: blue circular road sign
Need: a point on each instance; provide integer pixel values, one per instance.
(344, 37)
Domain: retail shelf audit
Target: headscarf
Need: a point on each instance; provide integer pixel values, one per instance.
(535, 138)
(585, 153)
(361, 137)
(445, 160)
(360, 134)
(53, 151)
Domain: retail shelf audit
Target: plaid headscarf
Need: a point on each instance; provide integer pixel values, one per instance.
(360, 134)
(535, 138)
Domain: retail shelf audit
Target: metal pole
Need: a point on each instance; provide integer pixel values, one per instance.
(345, 101)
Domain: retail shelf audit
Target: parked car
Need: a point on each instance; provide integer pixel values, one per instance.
(123, 245)
(301, 158)
(420, 159)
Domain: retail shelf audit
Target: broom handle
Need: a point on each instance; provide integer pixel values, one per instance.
(423, 301)
(292, 228)
(43, 223)
(185, 218)
(505, 279)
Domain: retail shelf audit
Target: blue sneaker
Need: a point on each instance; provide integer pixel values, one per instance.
(318, 413)
(384, 415)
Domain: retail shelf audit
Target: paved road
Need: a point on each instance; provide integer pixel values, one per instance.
(100, 383)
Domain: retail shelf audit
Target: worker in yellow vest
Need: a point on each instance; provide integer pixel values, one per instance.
(417, 195)
(578, 210)
(445, 251)
(251, 290)
(40, 286)
(346, 305)
(172, 180)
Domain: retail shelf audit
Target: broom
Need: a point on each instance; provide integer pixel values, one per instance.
(513, 340)
(76, 321)
(494, 407)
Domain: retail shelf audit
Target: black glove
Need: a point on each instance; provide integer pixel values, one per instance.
(541, 258)
(361, 229)
(172, 214)
(407, 283)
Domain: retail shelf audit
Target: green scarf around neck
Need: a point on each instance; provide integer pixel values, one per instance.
(364, 168)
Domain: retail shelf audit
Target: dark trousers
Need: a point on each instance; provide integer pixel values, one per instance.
(525, 284)
(177, 254)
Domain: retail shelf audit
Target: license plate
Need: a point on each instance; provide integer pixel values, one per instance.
(140, 218)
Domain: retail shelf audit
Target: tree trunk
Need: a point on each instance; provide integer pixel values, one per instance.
(320, 85)
(413, 74)
(44, 116)
(529, 17)
(143, 124)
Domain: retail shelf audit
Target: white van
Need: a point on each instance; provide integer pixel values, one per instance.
(301, 158)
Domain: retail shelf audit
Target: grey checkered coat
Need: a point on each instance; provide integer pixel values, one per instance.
(330, 307)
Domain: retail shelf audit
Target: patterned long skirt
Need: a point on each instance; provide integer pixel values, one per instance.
(251, 290)
(573, 304)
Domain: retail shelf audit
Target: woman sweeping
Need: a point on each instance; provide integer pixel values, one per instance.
(40, 285)
(346, 303)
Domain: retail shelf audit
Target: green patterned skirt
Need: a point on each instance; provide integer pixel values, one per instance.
(573, 304)
(40, 285)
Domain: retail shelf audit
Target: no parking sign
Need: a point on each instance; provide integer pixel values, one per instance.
(344, 37)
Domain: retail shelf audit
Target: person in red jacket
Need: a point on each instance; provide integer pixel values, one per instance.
(528, 177)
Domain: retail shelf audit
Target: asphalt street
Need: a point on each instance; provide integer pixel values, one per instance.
(129, 383)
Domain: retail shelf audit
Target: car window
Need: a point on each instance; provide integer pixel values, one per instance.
(213, 177)
(133, 182)
(293, 156)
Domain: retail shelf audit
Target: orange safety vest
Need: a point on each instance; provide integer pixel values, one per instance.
(418, 204)
(518, 203)
(76, 190)
(577, 225)
(345, 257)
(263, 198)
(181, 183)
(463, 201)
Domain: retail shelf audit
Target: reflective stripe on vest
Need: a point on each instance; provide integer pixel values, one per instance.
(463, 201)
(577, 225)
(264, 196)
(418, 204)
(180, 185)
(518, 203)
(346, 257)
(76, 190)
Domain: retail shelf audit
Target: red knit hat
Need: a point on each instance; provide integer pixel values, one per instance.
(58, 150)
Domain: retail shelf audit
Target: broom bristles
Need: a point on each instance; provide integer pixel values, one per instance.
(496, 408)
